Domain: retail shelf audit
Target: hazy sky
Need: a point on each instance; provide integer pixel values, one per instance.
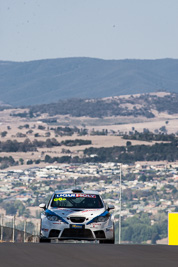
(108, 29)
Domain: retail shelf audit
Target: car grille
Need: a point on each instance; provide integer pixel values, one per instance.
(77, 233)
(54, 233)
(99, 234)
(77, 219)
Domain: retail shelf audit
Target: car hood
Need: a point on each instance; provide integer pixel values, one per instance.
(67, 213)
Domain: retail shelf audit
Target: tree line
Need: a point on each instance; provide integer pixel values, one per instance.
(156, 152)
(149, 136)
(97, 108)
(104, 107)
(122, 154)
(28, 145)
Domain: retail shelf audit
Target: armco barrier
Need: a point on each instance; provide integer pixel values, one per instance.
(16, 229)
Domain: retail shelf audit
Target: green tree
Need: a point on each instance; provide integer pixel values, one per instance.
(21, 161)
(3, 134)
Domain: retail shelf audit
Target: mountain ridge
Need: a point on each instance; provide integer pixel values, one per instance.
(49, 80)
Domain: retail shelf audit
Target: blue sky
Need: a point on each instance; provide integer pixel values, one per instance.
(108, 29)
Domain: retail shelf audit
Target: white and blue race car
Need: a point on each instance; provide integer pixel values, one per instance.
(77, 215)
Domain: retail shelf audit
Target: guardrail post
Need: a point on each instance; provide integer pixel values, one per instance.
(13, 230)
(1, 227)
(37, 233)
(24, 231)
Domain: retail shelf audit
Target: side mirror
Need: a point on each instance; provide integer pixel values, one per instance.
(111, 207)
(43, 206)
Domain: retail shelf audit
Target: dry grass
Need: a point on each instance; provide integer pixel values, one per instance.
(118, 124)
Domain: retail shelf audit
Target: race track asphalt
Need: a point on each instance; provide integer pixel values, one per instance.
(85, 255)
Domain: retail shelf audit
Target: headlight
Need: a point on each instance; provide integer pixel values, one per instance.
(101, 219)
(52, 218)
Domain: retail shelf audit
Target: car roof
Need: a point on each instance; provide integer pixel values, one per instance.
(69, 191)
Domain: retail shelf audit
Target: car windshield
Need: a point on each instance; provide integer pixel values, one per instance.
(81, 201)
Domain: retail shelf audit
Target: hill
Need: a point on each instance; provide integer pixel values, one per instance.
(46, 81)
(126, 106)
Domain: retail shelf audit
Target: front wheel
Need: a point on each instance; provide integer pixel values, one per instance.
(107, 241)
(44, 240)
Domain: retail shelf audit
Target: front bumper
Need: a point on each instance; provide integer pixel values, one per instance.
(62, 231)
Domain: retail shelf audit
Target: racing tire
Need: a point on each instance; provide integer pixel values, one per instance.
(44, 240)
(107, 241)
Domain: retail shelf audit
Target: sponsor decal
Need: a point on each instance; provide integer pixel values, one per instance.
(45, 230)
(96, 226)
(88, 210)
(77, 226)
(65, 195)
(85, 195)
(109, 229)
(75, 195)
(59, 199)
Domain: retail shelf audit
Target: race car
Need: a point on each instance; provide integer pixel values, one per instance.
(77, 215)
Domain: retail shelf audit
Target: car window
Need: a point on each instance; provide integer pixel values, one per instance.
(77, 201)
